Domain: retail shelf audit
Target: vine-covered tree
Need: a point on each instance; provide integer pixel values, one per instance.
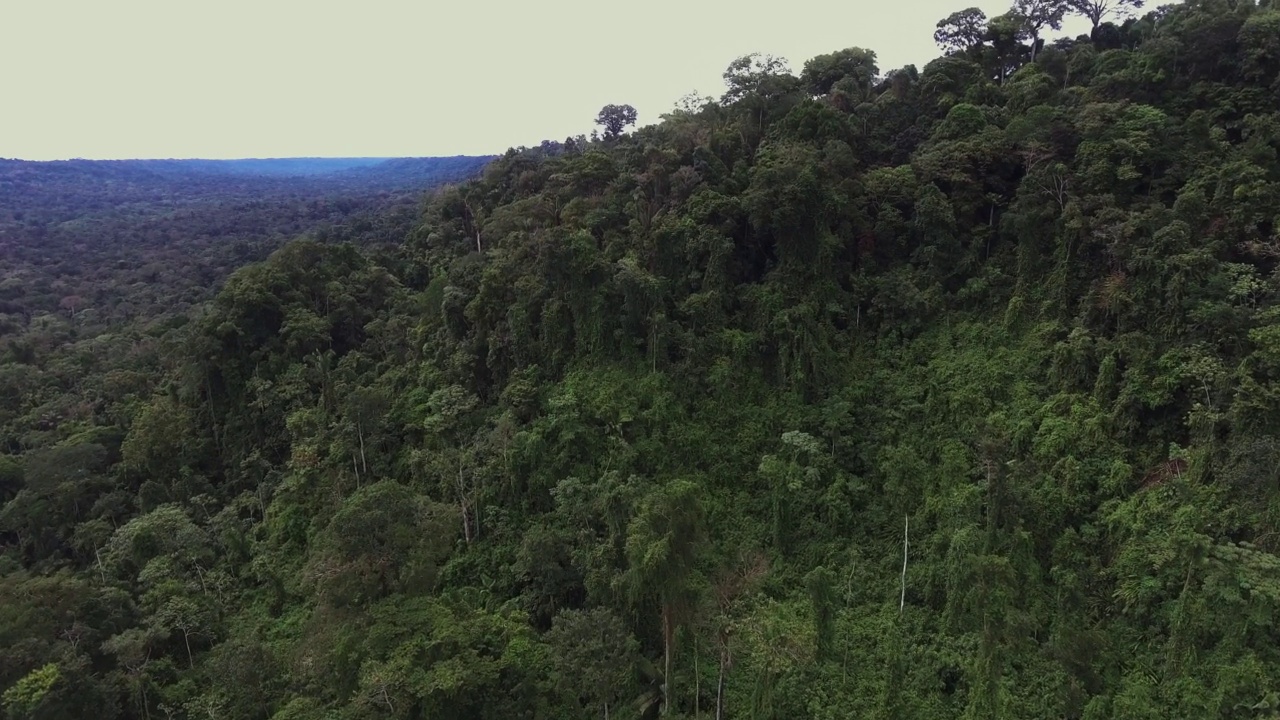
(940, 392)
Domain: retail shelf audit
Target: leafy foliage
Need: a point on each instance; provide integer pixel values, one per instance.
(936, 393)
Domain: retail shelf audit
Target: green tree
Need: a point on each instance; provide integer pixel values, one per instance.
(1096, 10)
(824, 72)
(1039, 15)
(663, 542)
(961, 31)
(614, 119)
(595, 656)
(384, 539)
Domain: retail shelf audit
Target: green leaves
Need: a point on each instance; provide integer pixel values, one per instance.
(663, 540)
(1260, 48)
(27, 696)
(1027, 304)
(594, 656)
(166, 534)
(823, 73)
(787, 200)
(961, 30)
(384, 539)
(614, 118)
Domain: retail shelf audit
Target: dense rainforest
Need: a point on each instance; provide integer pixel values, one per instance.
(98, 249)
(949, 392)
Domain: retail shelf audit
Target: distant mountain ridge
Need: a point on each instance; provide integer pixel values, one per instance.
(283, 166)
(57, 190)
(302, 167)
(153, 237)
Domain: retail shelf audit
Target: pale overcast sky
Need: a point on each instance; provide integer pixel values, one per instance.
(276, 78)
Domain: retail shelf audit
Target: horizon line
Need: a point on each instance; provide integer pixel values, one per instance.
(239, 159)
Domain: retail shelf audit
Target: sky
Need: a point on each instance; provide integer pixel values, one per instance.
(391, 78)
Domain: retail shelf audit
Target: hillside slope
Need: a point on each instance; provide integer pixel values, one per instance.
(937, 393)
(102, 259)
(129, 237)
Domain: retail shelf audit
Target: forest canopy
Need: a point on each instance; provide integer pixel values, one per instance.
(939, 392)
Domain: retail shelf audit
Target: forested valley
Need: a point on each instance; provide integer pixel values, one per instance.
(90, 248)
(950, 392)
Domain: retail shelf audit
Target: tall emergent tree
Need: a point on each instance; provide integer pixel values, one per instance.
(1040, 14)
(662, 545)
(615, 118)
(1096, 10)
(961, 30)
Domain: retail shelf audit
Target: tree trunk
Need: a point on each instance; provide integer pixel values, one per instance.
(475, 224)
(697, 681)
(386, 698)
(720, 680)
(906, 526)
(360, 433)
(668, 631)
(146, 702)
(464, 507)
(213, 414)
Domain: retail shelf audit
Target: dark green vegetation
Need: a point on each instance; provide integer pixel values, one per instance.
(645, 425)
(94, 252)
